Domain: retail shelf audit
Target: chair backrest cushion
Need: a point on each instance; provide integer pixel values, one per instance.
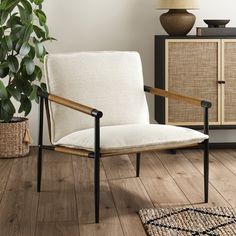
(108, 81)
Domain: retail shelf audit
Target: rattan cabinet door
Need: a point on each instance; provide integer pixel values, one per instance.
(229, 76)
(192, 68)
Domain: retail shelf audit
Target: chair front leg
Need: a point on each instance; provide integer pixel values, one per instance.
(40, 142)
(97, 169)
(206, 169)
(138, 155)
(206, 156)
(39, 169)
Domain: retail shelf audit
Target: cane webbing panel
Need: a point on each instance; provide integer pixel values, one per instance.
(193, 71)
(230, 81)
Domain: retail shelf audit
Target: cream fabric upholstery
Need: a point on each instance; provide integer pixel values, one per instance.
(147, 136)
(109, 81)
(113, 83)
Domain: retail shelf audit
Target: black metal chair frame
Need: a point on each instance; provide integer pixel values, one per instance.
(96, 155)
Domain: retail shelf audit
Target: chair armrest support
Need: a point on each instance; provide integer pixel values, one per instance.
(167, 94)
(71, 104)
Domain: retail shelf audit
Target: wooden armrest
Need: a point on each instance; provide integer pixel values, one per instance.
(71, 104)
(167, 94)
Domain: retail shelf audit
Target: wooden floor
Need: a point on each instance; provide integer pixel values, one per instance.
(65, 205)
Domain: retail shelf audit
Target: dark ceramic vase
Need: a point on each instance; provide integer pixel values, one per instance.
(177, 22)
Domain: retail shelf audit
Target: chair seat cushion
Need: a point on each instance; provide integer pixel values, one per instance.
(127, 137)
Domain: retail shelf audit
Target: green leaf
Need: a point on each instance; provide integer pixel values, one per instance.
(23, 14)
(18, 46)
(38, 2)
(9, 4)
(5, 116)
(14, 92)
(8, 106)
(25, 49)
(3, 52)
(32, 52)
(25, 105)
(39, 49)
(9, 42)
(13, 63)
(4, 16)
(41, 16)
(27, 87)
(33, 95)
(19, 84)
(27, 32)
(39, 32)
(4, 70)
(23, 86)
(13, 20)
(16, 31)
(1, 32)
(46, 31)
(21, 108)
(7, 110)
(27, 77)
(29, 66)
(43, 87)
(3, 91)
(27, 6)
(38, 73)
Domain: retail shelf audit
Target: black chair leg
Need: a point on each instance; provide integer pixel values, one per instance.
(97, 157)
(206, 169)
(40, 142)
(173, 151)
(39, 169)
(97, 187)
(138, 155)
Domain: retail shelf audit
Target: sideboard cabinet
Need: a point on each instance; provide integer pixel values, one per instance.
(203, 67)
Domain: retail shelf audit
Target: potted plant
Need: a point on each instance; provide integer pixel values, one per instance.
(23, 31)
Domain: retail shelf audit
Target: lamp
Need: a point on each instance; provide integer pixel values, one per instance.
(177, 21)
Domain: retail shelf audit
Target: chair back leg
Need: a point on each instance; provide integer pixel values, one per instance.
(138, 155)
(40, 142)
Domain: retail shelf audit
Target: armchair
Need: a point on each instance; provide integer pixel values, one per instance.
(113, 83)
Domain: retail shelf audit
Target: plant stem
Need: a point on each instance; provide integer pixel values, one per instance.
(9, 81)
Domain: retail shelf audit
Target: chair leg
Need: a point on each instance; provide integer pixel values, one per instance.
(173, 151)
(97, 157)
(138, 155)
(97, 186)
(39, 169)
(40, 142)
(206, 169)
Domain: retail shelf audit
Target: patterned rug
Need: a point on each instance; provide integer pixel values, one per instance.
(189, 221)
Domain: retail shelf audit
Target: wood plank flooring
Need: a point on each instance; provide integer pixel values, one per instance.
(65, 207)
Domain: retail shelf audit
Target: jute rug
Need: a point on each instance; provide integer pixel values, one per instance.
(189, 221)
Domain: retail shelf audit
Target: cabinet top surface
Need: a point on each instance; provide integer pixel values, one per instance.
(194, 37)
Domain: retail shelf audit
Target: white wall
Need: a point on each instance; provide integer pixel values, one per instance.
(81, 25)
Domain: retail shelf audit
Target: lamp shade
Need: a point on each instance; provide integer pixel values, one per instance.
(177, 4)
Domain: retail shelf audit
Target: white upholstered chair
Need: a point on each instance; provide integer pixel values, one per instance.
(107, 88)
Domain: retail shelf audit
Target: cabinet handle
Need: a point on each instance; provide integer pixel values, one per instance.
(221, 82)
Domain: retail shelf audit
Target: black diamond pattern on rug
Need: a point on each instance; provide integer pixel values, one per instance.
(189, 221)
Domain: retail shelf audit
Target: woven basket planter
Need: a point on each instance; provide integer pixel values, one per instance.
(14, 138)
